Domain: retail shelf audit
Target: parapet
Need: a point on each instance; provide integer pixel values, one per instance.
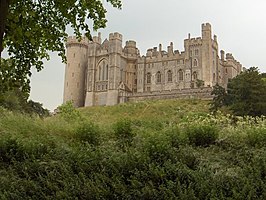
(75, 40)
(229, 56)
(206, 27)
(97, 39)
(115, 36)
(131, 43)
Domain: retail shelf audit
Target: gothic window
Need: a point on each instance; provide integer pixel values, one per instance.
(191, 52)
(213, 76)
(103, 72)
(158, 77)
(100, 72)
(169, 76)
(195, 76)
(195, 62)
(196, 52)
(107, 72)
(148, 77)
(180, 75)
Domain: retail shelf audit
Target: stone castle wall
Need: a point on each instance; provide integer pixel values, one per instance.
(108, 73)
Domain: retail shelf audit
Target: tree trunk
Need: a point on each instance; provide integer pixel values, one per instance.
(3, 16)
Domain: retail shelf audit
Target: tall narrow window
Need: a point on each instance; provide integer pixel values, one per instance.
(103, 72)
(148, 77)
(158, 77)
(100, 72)
(195, 63)
(107, 72)
(195, 76)
(180, 75)
(169, 76)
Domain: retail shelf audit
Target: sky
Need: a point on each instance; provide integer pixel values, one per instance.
(240, 27)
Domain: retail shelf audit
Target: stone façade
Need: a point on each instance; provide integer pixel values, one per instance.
(106, 73)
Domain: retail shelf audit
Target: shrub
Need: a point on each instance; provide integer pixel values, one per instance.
(89, 133)
(256, 136)
(124, 132)
(202, 135)
(69, 112)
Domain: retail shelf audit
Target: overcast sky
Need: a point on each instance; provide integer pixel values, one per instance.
(240, 26)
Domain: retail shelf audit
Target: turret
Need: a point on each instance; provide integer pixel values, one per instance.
(75, 70)
(206, 30)
(207, 57)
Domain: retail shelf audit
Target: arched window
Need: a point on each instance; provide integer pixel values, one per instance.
(195, 76)
(158, 77)
(169, 76)
(195, 62)
(180, 75)
(107, 72)
(102, 71)
(148, 77)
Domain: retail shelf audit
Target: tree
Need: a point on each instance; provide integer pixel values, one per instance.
(219, 99)
(247, 93)
(11, 78)
(29, 29)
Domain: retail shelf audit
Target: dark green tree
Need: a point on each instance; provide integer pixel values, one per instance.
(11, 77)
(247, 93)
(29, 29)
(36, 108)
(219, 98)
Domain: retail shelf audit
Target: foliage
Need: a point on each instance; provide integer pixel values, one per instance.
(199, 83)
(53, 159)
(37, 108)
(88, 133)
(69, 112)
(30, 29)
(123, 131)
(219, 99)
(246, 93)
(202, 134)
(11, 77)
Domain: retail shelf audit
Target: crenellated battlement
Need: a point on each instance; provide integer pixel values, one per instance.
(131, 43)
(73, 40)
(109, 71)
(115, 36)
(206, 27)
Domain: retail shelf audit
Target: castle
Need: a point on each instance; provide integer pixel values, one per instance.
(106, 73)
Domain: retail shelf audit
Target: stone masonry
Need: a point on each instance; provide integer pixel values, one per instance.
(108, 73)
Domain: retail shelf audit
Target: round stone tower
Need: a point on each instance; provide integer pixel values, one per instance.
(75, 71)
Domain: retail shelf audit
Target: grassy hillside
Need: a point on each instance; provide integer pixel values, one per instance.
(170, 149)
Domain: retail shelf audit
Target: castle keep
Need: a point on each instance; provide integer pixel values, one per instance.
(108, 73)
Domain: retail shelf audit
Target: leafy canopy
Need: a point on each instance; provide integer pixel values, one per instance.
(32, 28)
(247, 93)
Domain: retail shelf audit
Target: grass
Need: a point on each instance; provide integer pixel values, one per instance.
(145, 150)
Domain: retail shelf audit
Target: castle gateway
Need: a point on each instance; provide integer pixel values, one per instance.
(106, 73)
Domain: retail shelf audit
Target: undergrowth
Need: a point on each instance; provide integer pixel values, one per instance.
(174, 153)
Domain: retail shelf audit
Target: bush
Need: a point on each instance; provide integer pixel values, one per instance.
(256, 136)
(202, 135)
(89, 133)
(124, 132)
